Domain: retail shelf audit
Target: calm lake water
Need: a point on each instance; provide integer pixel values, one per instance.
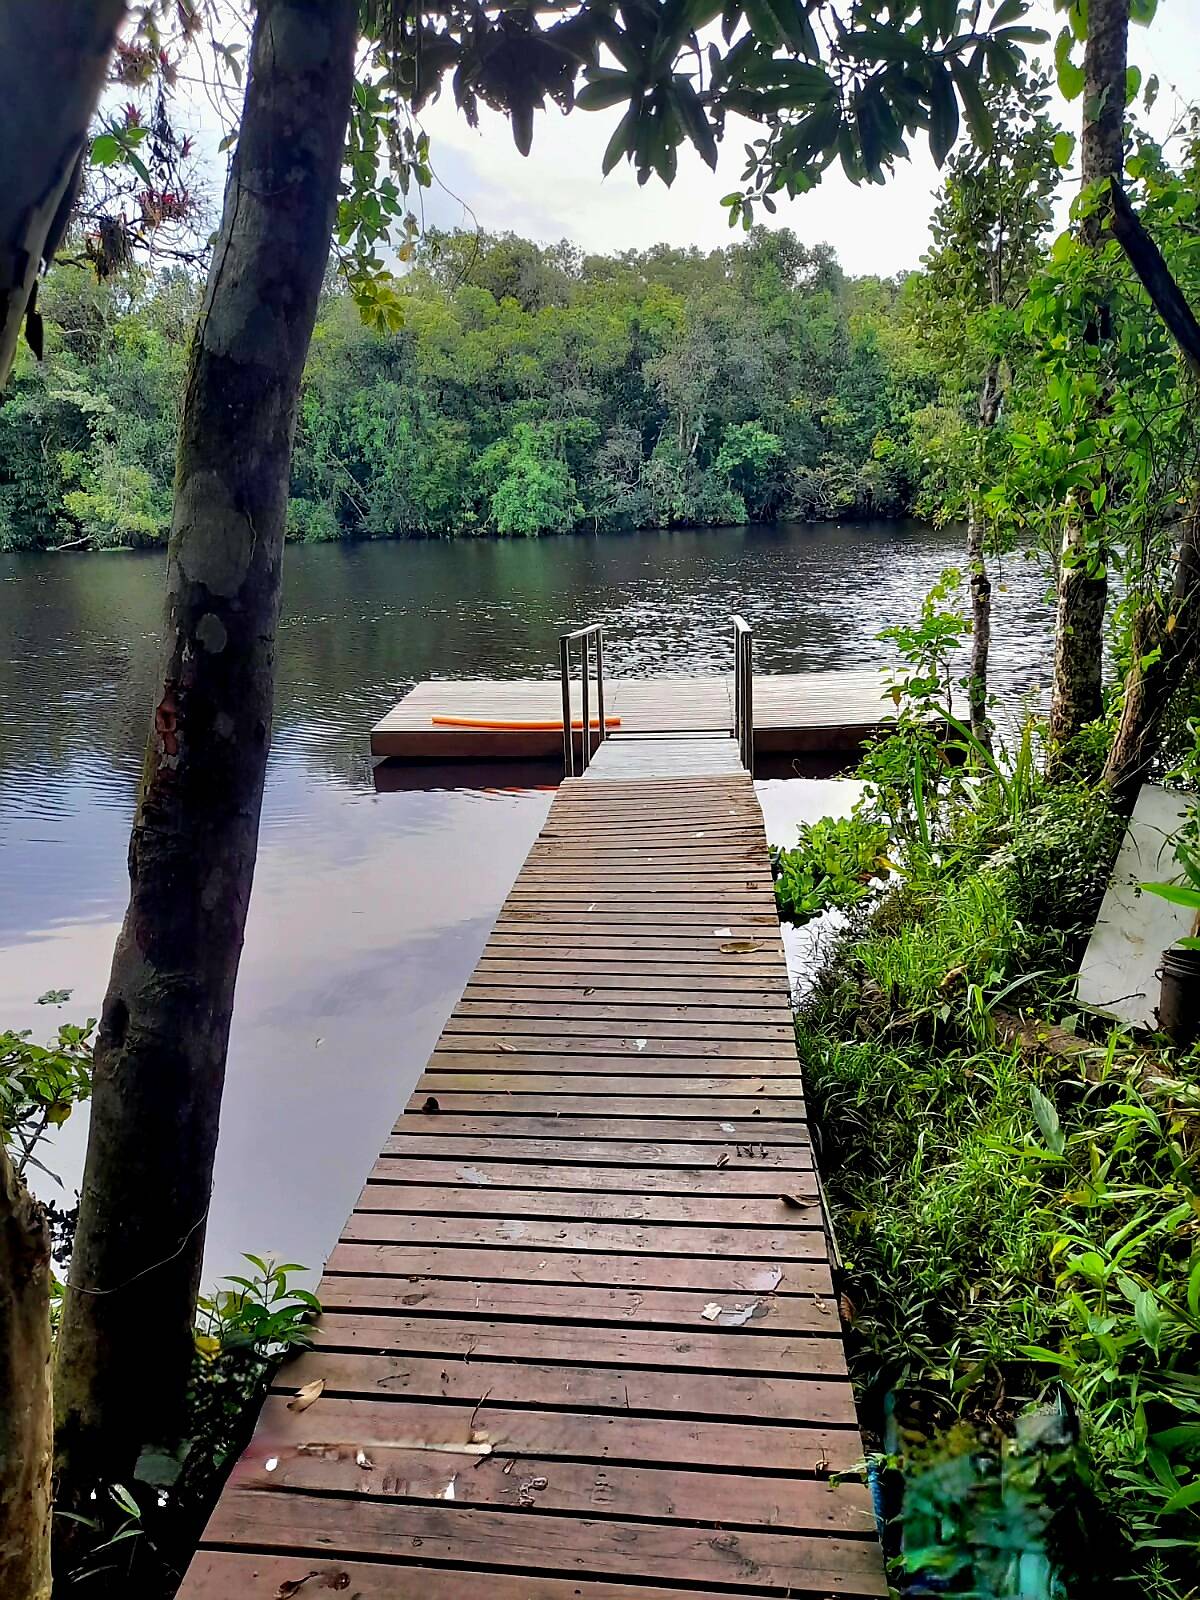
(370, 908)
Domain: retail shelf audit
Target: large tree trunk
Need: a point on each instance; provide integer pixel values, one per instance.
(26, 1409)
(125, 1345)
(53, 60)
(980, 583)
(1167, 639)
(1083, 578)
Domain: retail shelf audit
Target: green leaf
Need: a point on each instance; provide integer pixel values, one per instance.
(157, 1468)
(1063, 148)
(604, 88)
(1133, 82)
(106, 151)
(1177, 893)
(794, 27)
(1189, 1495)
(1070, 77)
(1046, 1118)
(1142, 12)
(1149, 1318)
(693, 118)
(979, 118)
(943, 113)
(623, 138)
(763, 22)
(1008, 11)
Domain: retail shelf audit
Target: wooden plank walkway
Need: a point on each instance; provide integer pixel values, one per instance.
(579, 1336)
(801, 713)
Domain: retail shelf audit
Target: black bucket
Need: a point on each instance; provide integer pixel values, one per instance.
(1179, 996)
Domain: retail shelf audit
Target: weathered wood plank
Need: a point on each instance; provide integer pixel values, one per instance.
(653, 1160)
(756, 1561)
(711, 1275)
(515, 1176)
(583, 1206)
(549, 1303)
(615, 1238)
(725, 1350)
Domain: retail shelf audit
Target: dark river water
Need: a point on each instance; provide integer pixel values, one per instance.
(370, 907)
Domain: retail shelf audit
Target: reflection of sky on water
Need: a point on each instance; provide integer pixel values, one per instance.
(370, 908)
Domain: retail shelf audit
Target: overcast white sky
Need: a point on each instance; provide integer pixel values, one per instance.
(558, 192)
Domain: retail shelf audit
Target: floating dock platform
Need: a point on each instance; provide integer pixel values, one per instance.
(801, 713)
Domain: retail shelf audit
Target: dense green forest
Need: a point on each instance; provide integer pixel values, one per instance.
(528, 390)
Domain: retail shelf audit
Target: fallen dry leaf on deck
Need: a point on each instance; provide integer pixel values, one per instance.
(739, 947)
(307, 1396)
(291, 1586)
(511, 1048)
(794, 1202)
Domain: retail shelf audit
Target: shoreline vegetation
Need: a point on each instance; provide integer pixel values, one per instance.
(1013, 1182)
(525, 390)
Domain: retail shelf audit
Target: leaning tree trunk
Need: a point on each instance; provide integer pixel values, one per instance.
(125, 1345)
(980, 583)
(53, 60)
(26, 1408)
(1083, 579)
(1166, 653)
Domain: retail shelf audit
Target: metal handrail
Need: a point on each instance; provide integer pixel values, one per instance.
(743, 691)
(586, 635)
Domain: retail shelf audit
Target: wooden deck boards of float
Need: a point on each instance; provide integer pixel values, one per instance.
(540, 1382)
(794, 713)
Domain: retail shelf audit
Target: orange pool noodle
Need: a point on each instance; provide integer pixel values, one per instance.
(521, 726)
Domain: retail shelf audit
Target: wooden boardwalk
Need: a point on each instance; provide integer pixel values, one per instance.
(579, 1336)
(805, 713)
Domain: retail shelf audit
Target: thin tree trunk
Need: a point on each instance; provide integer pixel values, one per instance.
(980, 583)
(1083, 578)
(1167, 639)
(125, 1345)
(26, 1408)
(53, 60)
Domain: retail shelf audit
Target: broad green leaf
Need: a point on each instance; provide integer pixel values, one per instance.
(623, 138)
(1046, 1118)
(1148, 1318)
(1185, 1497)
(1177, 893)
(106, 151)
(979, 118)
(1063, 148)
(605, 87)
(943, 113)
(1070, 77)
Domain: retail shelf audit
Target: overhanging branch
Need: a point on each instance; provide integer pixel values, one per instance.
(1147, 261)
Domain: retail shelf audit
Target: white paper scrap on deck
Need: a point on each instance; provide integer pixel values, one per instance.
(1120, 966)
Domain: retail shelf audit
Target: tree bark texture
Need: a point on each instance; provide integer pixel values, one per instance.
(1168, 640)
(1078, 645)
(26, 1407)
(125, 1345)
(980, 583)
(53, 62)
(1083, 584)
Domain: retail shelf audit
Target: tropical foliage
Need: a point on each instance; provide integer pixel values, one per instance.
(526, 390)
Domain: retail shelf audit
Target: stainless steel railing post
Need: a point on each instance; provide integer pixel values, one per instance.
(564, 665)
(590, 637)
(743, 691)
